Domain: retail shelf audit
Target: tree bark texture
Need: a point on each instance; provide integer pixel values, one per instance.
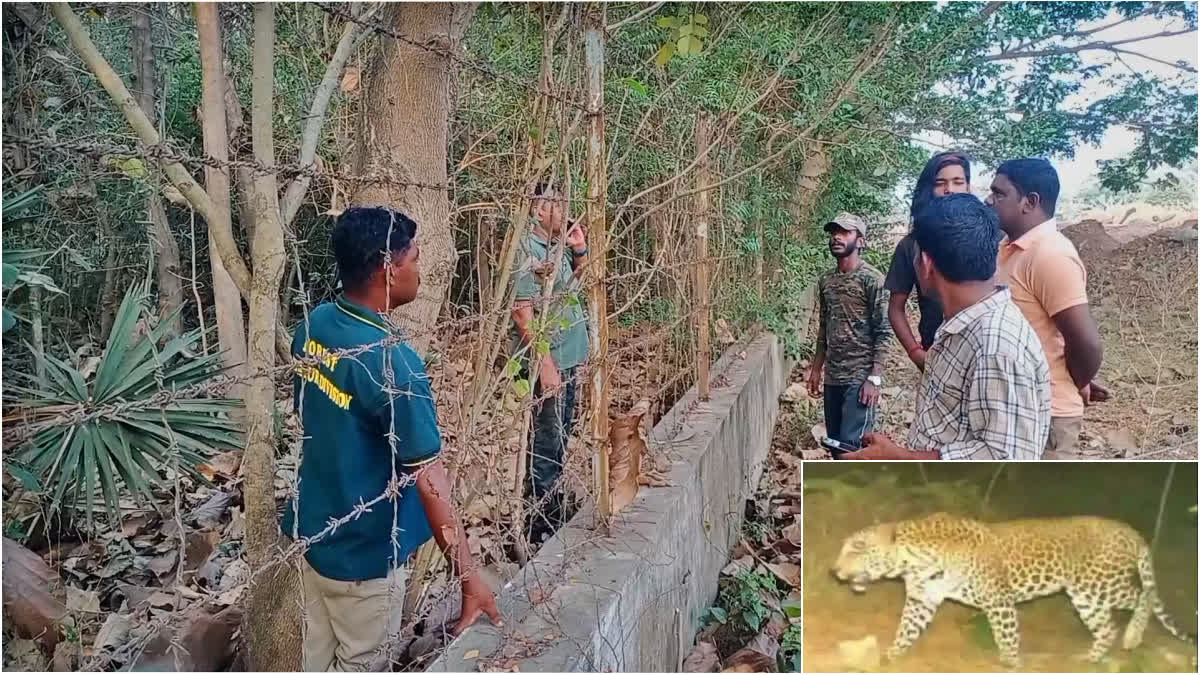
(272, 625)
(166, 250)
(597, 233)
(227, 301)
(405, 135)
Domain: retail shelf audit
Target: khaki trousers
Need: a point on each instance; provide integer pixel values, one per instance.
(348, 623)
(1063, 442)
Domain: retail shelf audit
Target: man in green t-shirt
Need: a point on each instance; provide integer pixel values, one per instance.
(369, 419)
(561, 325)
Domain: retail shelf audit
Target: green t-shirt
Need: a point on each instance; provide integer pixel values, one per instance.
(348, 414)
(568, 326)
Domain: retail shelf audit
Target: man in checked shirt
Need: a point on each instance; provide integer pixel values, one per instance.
(985, 392)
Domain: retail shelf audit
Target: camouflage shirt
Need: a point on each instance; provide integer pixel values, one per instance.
(853, 328)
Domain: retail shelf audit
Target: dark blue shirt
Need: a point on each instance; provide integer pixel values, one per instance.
(348, 414)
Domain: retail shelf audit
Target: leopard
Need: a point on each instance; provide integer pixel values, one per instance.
(992, 567)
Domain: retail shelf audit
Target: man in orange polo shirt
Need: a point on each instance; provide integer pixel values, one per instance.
(1049, 284)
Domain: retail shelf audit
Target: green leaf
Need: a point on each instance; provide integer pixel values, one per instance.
(521, 387)
(12, 274)
(791, 608)
(512, 368)
(719, 614)
(685, 29)
(132, 167)
(699, 31)
(664, 54)
(636, 87)
(542, 347)
(10, 321)
(27, 479)
(689, 45)
(700, 19)
(667, 22)
(39, 279)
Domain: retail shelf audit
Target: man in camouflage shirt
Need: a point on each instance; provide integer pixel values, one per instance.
(852, 336)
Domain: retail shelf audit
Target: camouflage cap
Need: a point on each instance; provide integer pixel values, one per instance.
(848, 221)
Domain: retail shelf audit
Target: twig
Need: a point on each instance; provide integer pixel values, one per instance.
(1162, 505)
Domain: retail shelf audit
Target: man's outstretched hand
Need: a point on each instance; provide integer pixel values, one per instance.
(877, 446)
(477, 600)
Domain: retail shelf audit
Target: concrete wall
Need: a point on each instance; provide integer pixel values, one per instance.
(633, 601)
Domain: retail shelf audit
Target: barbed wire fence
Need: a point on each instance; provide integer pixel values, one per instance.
(652, 266)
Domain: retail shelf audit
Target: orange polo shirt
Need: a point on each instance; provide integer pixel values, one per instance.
(1046, 276)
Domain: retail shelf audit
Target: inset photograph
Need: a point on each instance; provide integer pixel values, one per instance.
(989, 567)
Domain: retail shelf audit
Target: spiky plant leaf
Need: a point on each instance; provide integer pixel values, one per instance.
(112, 441)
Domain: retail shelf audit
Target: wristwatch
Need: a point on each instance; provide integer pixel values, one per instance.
(875, 380)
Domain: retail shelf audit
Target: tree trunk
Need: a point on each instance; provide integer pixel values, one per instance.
(272, 625)
(231, 331)
(162, 242)
(809, 186)
(405, 134)
(597, 233)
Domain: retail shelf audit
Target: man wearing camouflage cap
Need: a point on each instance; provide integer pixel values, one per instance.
(852, 335)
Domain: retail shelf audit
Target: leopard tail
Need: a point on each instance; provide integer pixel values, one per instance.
(1150, 596)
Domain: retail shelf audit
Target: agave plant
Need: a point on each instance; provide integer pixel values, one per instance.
(118, 432)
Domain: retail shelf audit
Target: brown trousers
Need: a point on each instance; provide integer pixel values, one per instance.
(348, 623)
(1063, 442)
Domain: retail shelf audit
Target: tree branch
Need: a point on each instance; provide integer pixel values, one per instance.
(294, 196)
(1181, 66)
(219, 225)
(1087, 46)
(636, 17)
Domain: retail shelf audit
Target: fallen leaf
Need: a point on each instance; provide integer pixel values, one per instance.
(162, 565)
(792, 533)
(134, 595)
(350, 79)
(743, 564)
(788, 572)
(209, 513)
(472, 654)
(236, 573)
(33, 594)
(131, 527)
(231, 596)
(79, 600)
(115, 566)
(199, 546)
(225, 464)
(66, 657)
(206, 643)
(25, 655)
(162, 599)
(113, 632)
(237, 524)
(702, 659)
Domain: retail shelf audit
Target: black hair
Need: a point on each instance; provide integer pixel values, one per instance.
(1033, 174)
(923, 192)
(543, 188)
(960, 233)
(363, 235)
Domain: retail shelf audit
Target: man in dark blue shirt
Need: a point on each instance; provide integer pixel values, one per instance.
(370, 438)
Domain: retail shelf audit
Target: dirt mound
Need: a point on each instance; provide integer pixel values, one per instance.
(1091, 240)
(1143, 297)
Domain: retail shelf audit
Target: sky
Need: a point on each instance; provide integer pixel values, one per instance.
(1077, 172)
